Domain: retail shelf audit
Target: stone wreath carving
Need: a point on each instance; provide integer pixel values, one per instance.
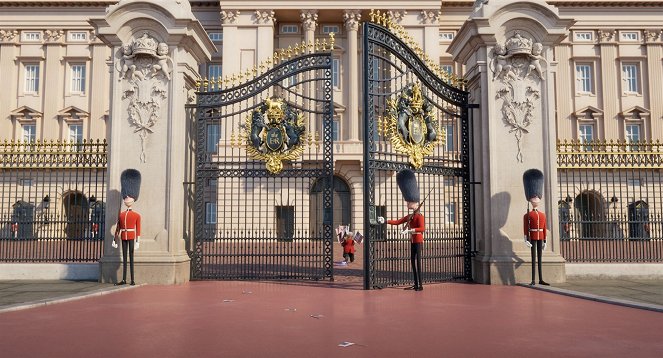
(145, 69)
(517, 67)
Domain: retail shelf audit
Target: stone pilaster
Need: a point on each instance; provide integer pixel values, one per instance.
(53, 83)
(231, 38)
(511, 74)
(352, 18)
(264, 20)
(157, 47)
(608, 73)
(564, 92)
(8, 53)
(654, 46)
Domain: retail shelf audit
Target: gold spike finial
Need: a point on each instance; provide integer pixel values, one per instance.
(372, 15)
(331, 41)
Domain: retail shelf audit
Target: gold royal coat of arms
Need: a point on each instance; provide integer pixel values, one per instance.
(275, 133)
(411, 125)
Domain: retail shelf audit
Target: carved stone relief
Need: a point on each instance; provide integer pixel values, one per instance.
(144, 70)
(53, 35)
(397, 15)
(264, 17)
(8, 35)
(430, 16)
(518, 72)
(229, 16)
(309, 19)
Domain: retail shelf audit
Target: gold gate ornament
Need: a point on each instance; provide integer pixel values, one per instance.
(275, 133)
(411, 125)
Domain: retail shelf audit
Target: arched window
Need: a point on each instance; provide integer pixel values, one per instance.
(76, 211)
(342, 206)
(590, 211)
(638, 220)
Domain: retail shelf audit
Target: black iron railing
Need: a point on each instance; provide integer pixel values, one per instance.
(610, 202)
(52, 201)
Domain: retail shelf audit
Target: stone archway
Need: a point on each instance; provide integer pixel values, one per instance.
(590, 210)
(342, 203)
(77, 214)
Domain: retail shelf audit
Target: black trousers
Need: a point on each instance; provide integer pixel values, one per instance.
(349, 256)
(127, 245)
(415, 260)
(537, 249)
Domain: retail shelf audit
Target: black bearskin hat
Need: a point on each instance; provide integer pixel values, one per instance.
(533, 182)
(407, 182)
(130, 183)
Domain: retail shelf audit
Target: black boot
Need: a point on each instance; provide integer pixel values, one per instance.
(544, 283)
(133, 283)
(123, 282)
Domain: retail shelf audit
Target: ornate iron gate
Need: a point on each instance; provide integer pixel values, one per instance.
(413, 119)
(262, 147)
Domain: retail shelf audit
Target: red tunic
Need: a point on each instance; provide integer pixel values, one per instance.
(417, 223)
(128, 225)
(534, 225)
(348, 246)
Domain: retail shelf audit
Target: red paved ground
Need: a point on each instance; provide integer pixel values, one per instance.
(445, 320)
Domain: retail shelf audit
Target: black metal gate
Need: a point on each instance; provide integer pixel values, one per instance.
(413, 119)
(263, 207)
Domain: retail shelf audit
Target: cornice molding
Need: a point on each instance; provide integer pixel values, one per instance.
(56, 3)
(570, 3)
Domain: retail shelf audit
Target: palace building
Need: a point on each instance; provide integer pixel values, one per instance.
(591, 70)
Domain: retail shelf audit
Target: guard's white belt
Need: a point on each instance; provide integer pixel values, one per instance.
(127, 229)
(535, 230)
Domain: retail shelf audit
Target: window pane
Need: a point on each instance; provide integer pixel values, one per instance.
(335, 128)
(29, 132)
(584, 77)
(213, 136)
(78, 78)
(450, 145)
(76, 133)
(214, 74)
(210, 213)
(336, 79)
(31, 78)
(630, 72)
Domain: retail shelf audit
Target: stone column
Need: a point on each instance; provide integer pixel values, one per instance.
(8, 52)
(309, 23)
(430, 19)
(265, 20)
(231, 38)
(607, 78)
(352, 18)
(99, 87)
(509, 57)
(564, 91)
(53, 83)
(157, 46)
(654, 45)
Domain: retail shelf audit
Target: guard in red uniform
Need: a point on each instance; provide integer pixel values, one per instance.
(534, 222)
(414, 223)
(128, 222)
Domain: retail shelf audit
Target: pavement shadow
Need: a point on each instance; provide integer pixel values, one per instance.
(507, 272)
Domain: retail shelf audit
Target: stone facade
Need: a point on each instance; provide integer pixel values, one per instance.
(60, 76)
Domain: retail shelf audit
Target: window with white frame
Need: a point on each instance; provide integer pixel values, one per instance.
(450, 146)
(76, 133)
(586, 135)
(584, 77)
(78, 36)
(630, 77)
(448, 68)
(450, 213)
(29, 132)
(289, 29)
(31, 78)
(32, 36)
(633, 182)
(632, 133)
(215, 36)
(214, 75)
(335, 129)
(327, 29)
(629, 35)
(336, 73)
(213, 137)
(449, 181)
(446, 36)
(210, 213)
(583, 36)
(78, 78)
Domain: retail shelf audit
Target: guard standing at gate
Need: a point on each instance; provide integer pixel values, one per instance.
(128, 222)
(534, 222)
(414, 222)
